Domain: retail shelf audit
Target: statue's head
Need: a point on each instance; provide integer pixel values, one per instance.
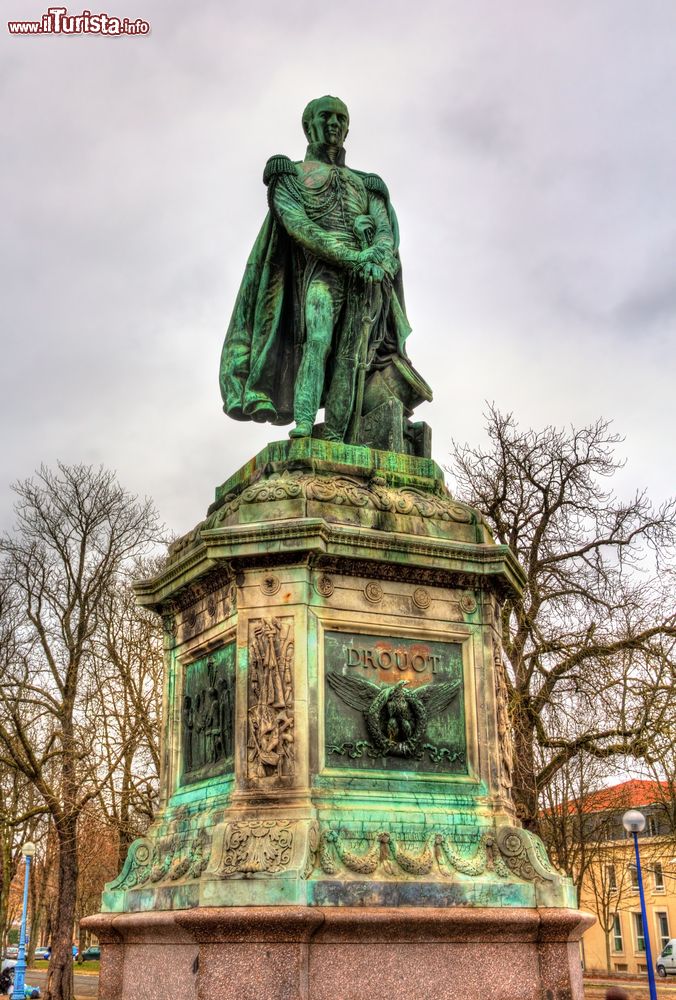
(326, 119)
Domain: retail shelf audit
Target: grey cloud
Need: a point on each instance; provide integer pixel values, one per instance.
(528, 148)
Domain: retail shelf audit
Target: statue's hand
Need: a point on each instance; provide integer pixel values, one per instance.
(372, 272)
(381, 256)
(370, 255)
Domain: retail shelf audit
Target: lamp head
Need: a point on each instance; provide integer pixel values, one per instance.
(28, 849)
(633, 821)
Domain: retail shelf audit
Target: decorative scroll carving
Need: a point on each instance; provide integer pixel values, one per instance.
(356, 749)
(137, 866)
(507, 852)
(191, 862)
(341, 490)
(525, 854)
(413, 864)
(352, 492)
(503, 720)
(169, 625)
(168, 859)
(312, 849)
(436, 856)
(252, 847)
(270, 744)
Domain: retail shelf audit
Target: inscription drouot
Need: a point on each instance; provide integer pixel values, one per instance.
(394, 704)
(208, 715)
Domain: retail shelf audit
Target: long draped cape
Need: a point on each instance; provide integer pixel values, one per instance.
(264, 341)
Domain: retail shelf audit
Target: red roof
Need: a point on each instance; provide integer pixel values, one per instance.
(628, 795)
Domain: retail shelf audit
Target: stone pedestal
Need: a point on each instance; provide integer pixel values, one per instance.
(336, 816)
(335, 953)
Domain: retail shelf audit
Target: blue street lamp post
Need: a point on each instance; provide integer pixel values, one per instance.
(634, 823)
(19, 991)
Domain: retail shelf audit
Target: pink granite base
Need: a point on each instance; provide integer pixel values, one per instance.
(336, 953)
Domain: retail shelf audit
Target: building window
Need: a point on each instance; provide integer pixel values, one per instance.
(618, 943)
(662, 920)
(659, 876)
(638, 932)
(633, 872)
(651, 826)
(611, 878)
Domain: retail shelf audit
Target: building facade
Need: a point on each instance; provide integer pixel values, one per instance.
(616, 942)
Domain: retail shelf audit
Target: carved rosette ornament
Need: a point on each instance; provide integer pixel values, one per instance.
(468, 603)
(270, 584)
(421, 598)
(270, 738)
(324, 585)
(373, 592)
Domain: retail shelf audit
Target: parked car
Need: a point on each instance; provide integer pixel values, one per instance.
(12, 952)
(92, 953)
(666, 961)
(43, 953)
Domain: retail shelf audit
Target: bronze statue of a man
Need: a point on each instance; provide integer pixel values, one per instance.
(320, 311)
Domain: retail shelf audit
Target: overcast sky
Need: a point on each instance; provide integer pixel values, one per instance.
(530, 152)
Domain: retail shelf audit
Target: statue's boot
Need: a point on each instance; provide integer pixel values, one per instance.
(340, 400)
(309, 386)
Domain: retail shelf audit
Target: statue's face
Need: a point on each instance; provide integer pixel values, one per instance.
(329, 122)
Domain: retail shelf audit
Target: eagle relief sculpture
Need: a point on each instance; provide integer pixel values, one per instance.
(396, 715)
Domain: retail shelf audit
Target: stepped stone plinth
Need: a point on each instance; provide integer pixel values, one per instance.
(336, 816)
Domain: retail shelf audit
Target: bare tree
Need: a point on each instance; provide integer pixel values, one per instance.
(563, 814)
(592, 637)
(19, 818)
(75, 528)
(124, 700)
(581, 837)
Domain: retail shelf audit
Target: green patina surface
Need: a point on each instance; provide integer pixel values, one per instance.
(332, 458)
(319, 319)
(360, 764)
(208, 716)
(394, 704)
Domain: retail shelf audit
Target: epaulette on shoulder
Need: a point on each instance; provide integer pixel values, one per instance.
(374, 183)
(277, 165)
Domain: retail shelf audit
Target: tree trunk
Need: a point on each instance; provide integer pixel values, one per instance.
(607, 937)
(124, 833)
(5, 881)
(60, 974)
(524, 790)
